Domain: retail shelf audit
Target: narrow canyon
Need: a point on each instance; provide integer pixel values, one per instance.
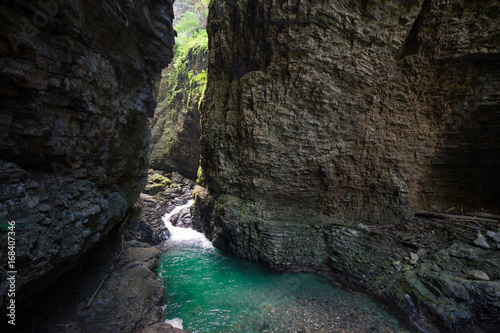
(356, 139)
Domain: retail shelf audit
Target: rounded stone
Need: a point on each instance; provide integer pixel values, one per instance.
(478, 275)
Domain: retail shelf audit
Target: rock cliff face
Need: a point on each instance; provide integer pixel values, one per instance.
(76, 92)
(176, 129)
(320, 115)
(356, 109)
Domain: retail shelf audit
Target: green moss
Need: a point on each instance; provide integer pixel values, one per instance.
(181, 90)
(191, 43)
(156, 178)
(200, 177)
(156, 183)
(154, 187)
(166, 182)
(168, 135)
(197, 86)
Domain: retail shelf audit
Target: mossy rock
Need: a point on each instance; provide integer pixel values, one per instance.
(153, 189)
(156, 183)
(156, 178)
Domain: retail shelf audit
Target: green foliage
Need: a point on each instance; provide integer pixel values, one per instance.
(188, 26)
(191, 42)
(201, 78)
(197, 86)
(190, 35)
(199, 6)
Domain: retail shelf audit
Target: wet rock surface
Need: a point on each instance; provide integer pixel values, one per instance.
(182, 219)
(177, 193)
(175, 128)
(428, 268)
(131, 297)
(161, 328)
(324, 315)
(129, 300)
(75, 97)
(325, 128)
(146, 222)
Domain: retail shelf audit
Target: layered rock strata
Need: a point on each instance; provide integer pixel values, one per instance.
(431, 270)
(321, 116)
(363, 110)
(76, 92)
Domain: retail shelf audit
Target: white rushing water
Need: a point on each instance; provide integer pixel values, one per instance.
(212, 291)
(185, 235)
(176, 322)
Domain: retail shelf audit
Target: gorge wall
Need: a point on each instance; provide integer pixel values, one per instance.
(323, 115)
(357, 109)
(77, 80)
(176, 129)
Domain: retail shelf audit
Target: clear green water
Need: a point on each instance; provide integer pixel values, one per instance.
(215, 292)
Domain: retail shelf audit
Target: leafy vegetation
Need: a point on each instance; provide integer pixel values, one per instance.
(191, 43)
(180, 92)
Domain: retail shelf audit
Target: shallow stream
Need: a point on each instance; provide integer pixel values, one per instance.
(211, 291)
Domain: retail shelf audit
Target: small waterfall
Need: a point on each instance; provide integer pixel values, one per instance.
(185, 235)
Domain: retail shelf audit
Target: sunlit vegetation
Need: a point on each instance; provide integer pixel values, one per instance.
(191, 43)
